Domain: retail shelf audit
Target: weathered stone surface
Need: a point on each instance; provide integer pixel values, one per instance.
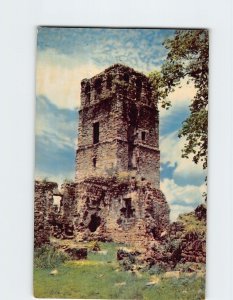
(127, 259)
(180, 244)
(43, 201)
(77, 253)
(120, 211)
(118, 126)
(116, 195)
(51, 219)
(200, 212)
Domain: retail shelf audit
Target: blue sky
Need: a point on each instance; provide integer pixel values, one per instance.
(67, 55)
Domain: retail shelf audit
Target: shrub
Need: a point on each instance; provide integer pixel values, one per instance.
(48, 257)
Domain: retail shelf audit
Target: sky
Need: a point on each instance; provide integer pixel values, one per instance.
(65, 56)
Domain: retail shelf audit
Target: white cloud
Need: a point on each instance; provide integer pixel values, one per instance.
(181, 199)
(59, 77)
(176, 210)
(180, 98)
(57, 126)
(186, 170)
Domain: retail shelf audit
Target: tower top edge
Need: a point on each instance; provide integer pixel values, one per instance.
(114, 69)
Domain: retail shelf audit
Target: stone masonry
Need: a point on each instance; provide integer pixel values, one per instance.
(122, 211)
(116, 193)
(43, 202)
(51, 218)
(118, 160)
(118, 126)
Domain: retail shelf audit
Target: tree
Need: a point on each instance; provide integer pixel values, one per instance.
(187, 58)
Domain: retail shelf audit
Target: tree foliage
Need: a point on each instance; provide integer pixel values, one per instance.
(187, 58)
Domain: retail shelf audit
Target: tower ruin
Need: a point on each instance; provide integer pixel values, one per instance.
(118, 159)
(118, 126)
(116, 195)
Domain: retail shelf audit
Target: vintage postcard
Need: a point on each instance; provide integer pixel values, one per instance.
(121, 163)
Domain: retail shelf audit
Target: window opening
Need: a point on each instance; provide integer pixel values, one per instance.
(94, 162)
(94, 223)
(98, 85)
(128, 208)
(96, 133)
(138, 88)
(109, 82)
(143, 135)
(126, 78)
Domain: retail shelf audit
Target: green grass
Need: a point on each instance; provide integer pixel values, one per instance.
(192, 224)
(99, 277)
(48, 257)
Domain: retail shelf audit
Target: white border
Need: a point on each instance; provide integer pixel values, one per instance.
(17, 60)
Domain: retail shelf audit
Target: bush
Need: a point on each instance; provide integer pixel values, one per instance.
(48, 257)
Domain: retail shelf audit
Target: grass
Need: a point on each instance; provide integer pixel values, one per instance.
(48, 257)
(192, 224)
(99, 277)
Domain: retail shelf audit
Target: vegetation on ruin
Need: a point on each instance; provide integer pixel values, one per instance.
(192, 224)
(100, 276)
(187, 58)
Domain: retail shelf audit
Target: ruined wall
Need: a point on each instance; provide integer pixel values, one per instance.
(124, 211)
(120, 102)
(116, 195)
(43, 202)
(53, 219)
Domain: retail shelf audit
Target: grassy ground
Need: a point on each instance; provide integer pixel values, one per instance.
(99, 277)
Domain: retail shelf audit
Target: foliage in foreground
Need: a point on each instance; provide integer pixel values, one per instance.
(100, 277)
(48, 257)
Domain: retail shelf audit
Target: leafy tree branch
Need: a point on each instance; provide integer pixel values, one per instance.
(187, 58)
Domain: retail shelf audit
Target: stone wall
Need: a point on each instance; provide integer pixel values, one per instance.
(123, 211)
(181, 242)
(118, 126)
(52, 219)
(43, 202)
(116, 195)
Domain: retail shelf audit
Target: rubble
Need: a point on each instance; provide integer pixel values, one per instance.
(77, 253)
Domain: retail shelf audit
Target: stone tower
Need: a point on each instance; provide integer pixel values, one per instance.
(118, 126)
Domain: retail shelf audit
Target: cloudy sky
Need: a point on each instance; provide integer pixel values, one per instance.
(67, 55)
